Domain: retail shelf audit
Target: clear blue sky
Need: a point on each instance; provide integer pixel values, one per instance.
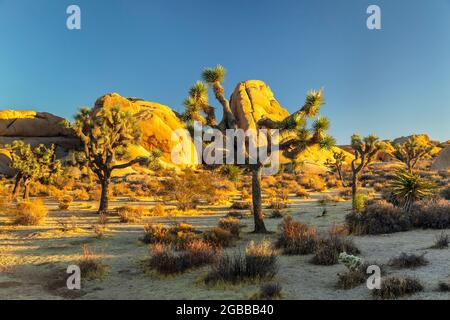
(391, 82)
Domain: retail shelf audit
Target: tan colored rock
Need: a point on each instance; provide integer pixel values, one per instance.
(442, 161)
(31, 124)
(157, 122)
(253, 100)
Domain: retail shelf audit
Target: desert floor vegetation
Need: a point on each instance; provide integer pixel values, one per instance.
(206, 252)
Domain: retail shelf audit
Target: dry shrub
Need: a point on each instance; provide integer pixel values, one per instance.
(345, 193)
(353, 278)
(91, 265)
(313, 182)
(393, 288)
(219, 237)
(231, 224)
(270, 291)
(444, 287)
(331, 198)
(100, 228)
(190, 188)
(445, 193)
(121, 189)
(178, 235)
(130, 214)
(64, 202)
(81, 195)
(296, 237)
(302, 193)
(276, 214)
(328, 248)
(431, 214)
(378, 218)
(95, 194)
(441, 242)
(156, 233)
(236, 215)
(167, 261)
(408, 261)
(258, 263)
(240, 205)
(159, 210)
(70, 225)
(377, 186)
(30, 213)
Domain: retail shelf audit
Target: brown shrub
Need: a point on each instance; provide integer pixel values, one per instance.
(231, 224)
(431, 214)
(130, 214)
(378, 218)
(328, 249)
(64, 202)
(313, 182)
(91, 265)
(408, 261)
(259, 262)
(302, 193)
(158, 210)
(81, 195)
(30, 213)
(296, 237)
(219, 237)
(393, 288)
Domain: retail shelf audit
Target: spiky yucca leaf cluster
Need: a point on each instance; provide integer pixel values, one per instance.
(214, 75)
(409, 187)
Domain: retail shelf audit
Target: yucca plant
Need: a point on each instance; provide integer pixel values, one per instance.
(409, 187)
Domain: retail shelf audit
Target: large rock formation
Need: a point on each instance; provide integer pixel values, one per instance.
(442, 161)
(34, 128)
(158, 123)
(253, 100)
(32, 124)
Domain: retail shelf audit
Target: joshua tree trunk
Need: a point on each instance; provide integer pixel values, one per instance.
(16, 189)
(26, 191)
(104, 198)
(341, 177)
(354, 188)
(256, 197)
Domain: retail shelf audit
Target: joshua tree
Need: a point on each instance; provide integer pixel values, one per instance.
(409, 187)
(411, 152)
(105, 135)
(336, 164)
(296, 136)
(31, 164)
(365, 151)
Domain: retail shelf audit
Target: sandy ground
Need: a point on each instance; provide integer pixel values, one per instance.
(33, 260)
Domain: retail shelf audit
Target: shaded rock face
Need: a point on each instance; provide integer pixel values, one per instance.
(32, 124)
(442, 161)
(33, 128)
(253, 100)
(157, 123)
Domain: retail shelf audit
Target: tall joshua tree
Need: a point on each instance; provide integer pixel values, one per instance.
(336, 164)
(31, 164)
(105, 135)
(296, 136)
(411, 152)
(365, 151)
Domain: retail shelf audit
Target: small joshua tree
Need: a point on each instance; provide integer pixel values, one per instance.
(105, 135)
(296, 136)
(365, 151)
(409, 187)
(336, 164)
(411, 152)
(32, 164)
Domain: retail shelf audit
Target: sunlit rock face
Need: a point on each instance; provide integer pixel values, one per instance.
(158, 123)
(253, 100)
(442, 161)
